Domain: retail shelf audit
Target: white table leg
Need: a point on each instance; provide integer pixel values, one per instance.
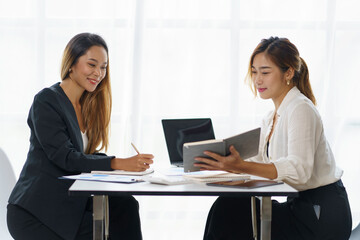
(265, 218)
(100, 217)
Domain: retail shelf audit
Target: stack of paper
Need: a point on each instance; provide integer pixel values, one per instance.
(103, 178)
(118, 176)
(214, 176)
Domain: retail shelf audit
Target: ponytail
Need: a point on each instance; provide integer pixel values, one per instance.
(302, 81)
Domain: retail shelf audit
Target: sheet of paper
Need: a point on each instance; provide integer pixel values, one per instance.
(122, 172)
(208, 173)
(103, 178)
(171, 171)
(214, 176)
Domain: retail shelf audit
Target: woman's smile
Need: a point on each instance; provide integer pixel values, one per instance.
(261, 90)
(93, 81)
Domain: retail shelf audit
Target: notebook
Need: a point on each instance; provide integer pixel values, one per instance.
(179, 131)
(256, 183)
(247, 144)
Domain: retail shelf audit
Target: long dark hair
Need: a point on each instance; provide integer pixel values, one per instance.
(95, 106)
(285, 55)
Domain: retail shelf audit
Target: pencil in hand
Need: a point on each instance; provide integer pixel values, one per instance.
(135, 148)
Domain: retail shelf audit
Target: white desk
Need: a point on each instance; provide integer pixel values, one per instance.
(100, 191)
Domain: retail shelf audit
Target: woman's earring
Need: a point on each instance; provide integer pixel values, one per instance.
(288, 82)
(70, 71)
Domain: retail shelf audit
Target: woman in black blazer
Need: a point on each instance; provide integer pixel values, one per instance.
(68, 122)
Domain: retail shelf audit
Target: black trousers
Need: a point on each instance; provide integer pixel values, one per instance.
(296, 219)
(124, 222)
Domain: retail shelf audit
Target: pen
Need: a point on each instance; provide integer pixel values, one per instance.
(135, 148)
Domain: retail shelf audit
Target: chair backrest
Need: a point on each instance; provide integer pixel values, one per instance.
(7, 182)
(355, 234)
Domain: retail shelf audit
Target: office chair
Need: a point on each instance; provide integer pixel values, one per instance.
(7, 182)
(355, 234)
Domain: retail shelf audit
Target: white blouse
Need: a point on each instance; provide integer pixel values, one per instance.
(85, 140)
(298, 147)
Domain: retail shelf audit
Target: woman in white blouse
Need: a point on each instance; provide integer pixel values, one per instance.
(293, 149)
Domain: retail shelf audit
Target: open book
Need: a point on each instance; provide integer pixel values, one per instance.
(247, 144)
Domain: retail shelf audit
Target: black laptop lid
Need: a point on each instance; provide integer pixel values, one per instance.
(179, 131)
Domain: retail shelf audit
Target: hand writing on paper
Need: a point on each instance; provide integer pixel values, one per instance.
(137, 163)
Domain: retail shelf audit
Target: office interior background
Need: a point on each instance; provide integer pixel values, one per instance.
(183, 59)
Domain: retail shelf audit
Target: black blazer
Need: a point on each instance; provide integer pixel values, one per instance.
(56, 149)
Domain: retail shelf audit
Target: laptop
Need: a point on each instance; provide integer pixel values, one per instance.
(179, 131)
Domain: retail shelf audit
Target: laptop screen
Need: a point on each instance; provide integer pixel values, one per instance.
(179, 131)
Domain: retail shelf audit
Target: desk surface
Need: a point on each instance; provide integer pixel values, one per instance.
(88, 188)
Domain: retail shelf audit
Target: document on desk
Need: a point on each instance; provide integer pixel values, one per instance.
(122, 172)
(171, 171)
(214, 176)
(103, 178)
